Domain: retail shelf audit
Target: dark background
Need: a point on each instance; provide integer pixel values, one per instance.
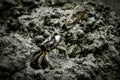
(115, 4)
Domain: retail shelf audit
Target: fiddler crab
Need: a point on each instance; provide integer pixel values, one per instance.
(54, 42)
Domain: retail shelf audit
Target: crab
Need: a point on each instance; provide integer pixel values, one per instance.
(54, 42)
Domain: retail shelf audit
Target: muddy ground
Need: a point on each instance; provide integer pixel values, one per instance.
(93, 44)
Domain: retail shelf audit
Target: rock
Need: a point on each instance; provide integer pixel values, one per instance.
(91, 4)
(16, 12)
(9, 3)
(1, 6)
(55, 2)
(39, 38)
(74, 51)
(91, 20)
(9, 66)
(28, 2)
(13, 24)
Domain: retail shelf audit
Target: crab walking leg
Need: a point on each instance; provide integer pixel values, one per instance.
(49, 62)
(63, 48)
(42, 56)
(34, 59)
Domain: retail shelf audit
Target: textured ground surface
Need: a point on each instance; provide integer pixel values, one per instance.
(93, 43)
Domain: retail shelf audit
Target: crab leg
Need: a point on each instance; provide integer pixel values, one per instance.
(49, 62)
(34, 61)
(63, 48)
(41, 58)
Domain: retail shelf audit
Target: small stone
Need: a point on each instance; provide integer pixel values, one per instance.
(80, 33)
(10, 2)
(91, 20)
(39, 38)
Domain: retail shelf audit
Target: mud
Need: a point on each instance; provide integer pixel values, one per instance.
(93, 44)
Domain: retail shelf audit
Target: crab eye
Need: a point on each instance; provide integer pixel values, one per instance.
(57, 38)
